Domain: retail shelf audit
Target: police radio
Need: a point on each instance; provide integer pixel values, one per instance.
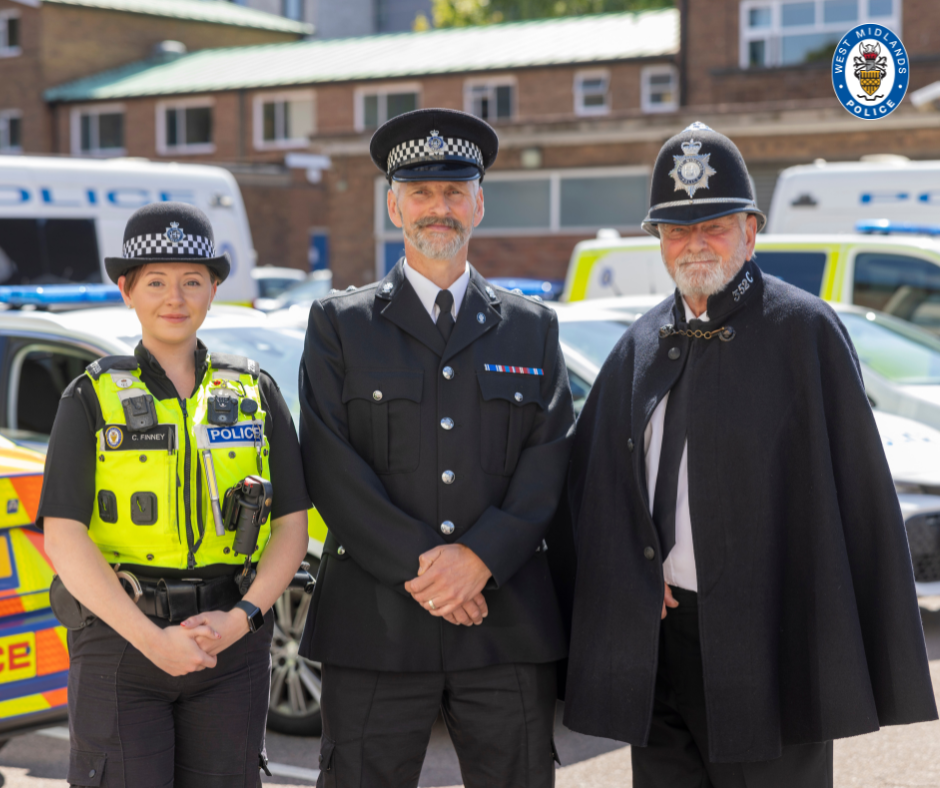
(246, 508)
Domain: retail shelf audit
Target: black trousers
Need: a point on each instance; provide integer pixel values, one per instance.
(677, 753)
(134, 726)
(376, 725)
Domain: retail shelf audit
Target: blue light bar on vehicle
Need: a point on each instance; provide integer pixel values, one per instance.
(887, 227)
(59, 295)
(545, 289)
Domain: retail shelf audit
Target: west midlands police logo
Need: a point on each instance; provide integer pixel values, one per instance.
(870, 71)
(692, 169)
(436, 144)
(113, 437)
(174, 233)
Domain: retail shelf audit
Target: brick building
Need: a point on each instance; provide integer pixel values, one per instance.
(46, 43)
(581, 106)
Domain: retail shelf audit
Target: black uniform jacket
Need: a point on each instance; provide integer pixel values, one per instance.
(808, 617)
(377, 384)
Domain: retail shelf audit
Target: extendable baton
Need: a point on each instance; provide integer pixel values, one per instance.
(213, 492)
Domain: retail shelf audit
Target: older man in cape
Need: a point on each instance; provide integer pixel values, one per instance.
(744, 592)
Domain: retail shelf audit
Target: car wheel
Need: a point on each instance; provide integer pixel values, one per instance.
(294, 706)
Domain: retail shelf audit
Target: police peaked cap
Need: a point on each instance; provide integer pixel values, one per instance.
(434, 145)
(699, 174)
(168, 232)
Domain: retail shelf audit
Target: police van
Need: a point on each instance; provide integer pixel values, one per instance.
(835, 197)
(60, 217)
(893, 274)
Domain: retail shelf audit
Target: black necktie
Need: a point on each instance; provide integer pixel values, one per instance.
(445, 320)
(667, 479)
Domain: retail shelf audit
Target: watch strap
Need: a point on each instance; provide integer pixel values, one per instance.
(255, 616)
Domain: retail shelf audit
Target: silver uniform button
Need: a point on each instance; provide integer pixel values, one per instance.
(447, 527)
(674, 353)
(377, 396)
(517, 396)
(481, 318)
(448, 373)
(340, 550)
(447, 424)
(448, 477)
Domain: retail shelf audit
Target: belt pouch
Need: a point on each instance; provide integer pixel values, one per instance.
(180, 599)
(71, 613)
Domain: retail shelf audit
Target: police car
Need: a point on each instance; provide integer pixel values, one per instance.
(589, 331)
(880, 270)
(41, 351)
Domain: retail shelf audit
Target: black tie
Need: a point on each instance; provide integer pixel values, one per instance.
(445, 320)
(667, 480)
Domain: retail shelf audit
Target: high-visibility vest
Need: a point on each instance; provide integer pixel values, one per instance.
(152, 505)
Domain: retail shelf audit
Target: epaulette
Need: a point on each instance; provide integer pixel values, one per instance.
(97, 368)
(239, 364)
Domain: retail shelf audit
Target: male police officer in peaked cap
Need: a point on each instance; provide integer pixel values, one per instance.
(434, 416)
(744, 591)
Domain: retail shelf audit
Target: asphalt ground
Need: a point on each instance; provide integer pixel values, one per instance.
(896, 757)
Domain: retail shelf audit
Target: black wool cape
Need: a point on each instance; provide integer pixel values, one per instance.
(808, 617)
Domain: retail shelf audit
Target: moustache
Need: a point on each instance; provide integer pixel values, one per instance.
(697, 258)
(444, 221)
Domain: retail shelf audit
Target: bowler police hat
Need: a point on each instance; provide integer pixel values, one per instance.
(434, 145)
(699, 174)
(168, 232)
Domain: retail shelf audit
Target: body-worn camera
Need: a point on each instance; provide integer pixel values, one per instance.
(223, 409)
(246, 508)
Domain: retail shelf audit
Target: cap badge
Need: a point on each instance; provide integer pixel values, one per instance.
(174, 233)
(692, 169)
(436, 144)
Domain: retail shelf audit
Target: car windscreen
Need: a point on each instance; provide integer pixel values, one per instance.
(801, 269)
(900, 354)
(593, 339)
(305, 292)
(278, 351)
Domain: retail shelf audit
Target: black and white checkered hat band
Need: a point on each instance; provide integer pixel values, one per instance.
(157, 245)
(433, 149)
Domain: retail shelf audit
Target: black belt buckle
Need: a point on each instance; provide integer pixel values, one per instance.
(180, 601)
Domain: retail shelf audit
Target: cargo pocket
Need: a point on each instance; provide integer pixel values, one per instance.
(383, 407)
(86, 768)
(340, 762)
(508, 406)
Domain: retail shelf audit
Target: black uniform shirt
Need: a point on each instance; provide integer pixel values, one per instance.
(68, 488)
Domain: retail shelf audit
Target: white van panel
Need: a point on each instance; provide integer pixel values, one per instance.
(629, 272)
(833, 198)
(109, 191)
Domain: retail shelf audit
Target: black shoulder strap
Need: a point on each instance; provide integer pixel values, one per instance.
(239, 364)
(97, 368)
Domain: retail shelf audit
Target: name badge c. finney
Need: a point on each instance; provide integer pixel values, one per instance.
(116, 437)
(248, 433)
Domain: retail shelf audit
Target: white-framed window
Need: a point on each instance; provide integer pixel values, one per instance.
(284, 120)
(185, 126)
(790, 32)
(592, 92)
(9, 33)
(536, 202)
(98, 130)
(375, 105)
(490, 99)
(11, 131)
(659, 88)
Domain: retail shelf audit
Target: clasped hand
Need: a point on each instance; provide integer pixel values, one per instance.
(453, 577)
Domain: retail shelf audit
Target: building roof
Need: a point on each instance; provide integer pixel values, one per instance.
(573, 40)
(215, 11)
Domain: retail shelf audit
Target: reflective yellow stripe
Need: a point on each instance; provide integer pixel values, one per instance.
(582, 272)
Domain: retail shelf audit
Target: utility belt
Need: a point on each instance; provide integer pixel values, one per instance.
(168, 599)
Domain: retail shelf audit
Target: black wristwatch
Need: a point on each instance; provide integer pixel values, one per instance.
(255, 616)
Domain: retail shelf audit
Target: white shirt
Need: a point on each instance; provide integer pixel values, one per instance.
(679, 568)
(427, 291)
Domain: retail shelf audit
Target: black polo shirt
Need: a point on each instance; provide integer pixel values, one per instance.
(68, 489)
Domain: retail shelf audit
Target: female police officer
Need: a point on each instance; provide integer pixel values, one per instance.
(172, 690)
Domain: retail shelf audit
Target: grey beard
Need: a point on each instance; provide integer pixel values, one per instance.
(713, 279)
(438, 250)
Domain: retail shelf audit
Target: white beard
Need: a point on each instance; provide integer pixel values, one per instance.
(712, 275)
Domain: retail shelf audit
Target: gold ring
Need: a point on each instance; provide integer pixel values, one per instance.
(431, 604)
